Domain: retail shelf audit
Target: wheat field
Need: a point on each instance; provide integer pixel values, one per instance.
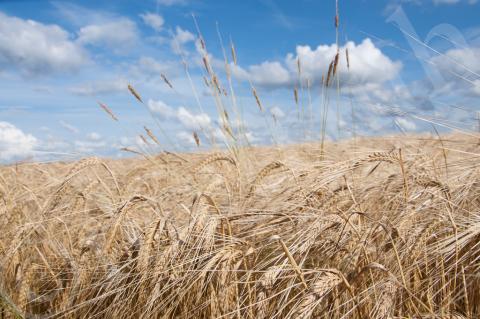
(381, 227)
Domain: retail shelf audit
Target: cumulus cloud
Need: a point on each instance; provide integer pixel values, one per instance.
(187, 118)
(189, 121)
(180, 38)
(161, 109)
(186, 138)
(193, 121)
(14, 143)
(117, 34)
(37, 48)
(153, 20)
(267, 74)
(368, 64)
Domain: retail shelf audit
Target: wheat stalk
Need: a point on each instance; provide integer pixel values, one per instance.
(134, 93)
(108, 111)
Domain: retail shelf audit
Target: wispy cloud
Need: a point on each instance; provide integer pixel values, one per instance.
(69, 127)
(278, 15)
(106, 86)
(180, 38)
(153, 20)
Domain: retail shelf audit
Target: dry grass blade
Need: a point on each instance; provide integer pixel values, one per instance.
(292, 261)
(151, 135)
(384, 306)
(212, 159)
(108, 111)
(164, 78)
(337, 18)
(196, 138)
(335, 63)
(347, 56)
(234, 54)
(257, 99)
(206, 65)
(127, 149)
(329, 73)
(134, 93)
(321, 286)
(262, 174)
(144, 140)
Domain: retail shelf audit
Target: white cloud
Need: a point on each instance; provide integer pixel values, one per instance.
(117, 34)
(251, 137)
(183, 36)
(368, 64)
(133, 142)
(193, 121)
(186, 138)
(155, 21)
(199, 122)
(37, 48)
(14, 143)
(161, 109)
(265, 74)
(180, 38)
(188, 119)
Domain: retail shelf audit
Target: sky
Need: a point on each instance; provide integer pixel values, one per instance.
(412, 65)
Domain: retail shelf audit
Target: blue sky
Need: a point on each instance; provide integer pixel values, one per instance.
(412, 62)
